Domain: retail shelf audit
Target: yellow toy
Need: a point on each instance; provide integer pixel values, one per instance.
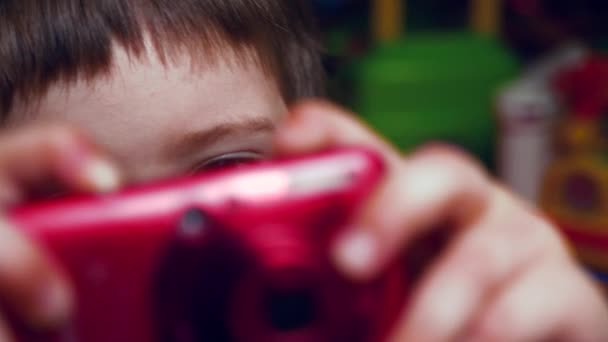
(485, 16)
(388, 18)
(575, 192)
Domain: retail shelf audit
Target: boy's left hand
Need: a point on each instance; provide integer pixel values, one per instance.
(506, 274)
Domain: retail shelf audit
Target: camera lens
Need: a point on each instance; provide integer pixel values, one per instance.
(192, 224)
(289, 310)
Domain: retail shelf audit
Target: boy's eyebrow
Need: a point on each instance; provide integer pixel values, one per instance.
(196, 141)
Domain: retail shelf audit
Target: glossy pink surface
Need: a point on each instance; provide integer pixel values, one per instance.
(145, 272)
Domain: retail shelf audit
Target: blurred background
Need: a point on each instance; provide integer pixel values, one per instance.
(521, 84)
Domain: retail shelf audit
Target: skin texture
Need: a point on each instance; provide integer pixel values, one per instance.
(158, 120)
(504, 276)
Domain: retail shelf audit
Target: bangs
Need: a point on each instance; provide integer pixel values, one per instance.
(43, 42)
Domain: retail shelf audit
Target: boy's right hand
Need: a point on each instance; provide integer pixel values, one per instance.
(32, 287)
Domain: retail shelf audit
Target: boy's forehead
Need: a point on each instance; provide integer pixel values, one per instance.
(144, 105)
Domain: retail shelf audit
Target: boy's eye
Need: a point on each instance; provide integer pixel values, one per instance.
(228, 161)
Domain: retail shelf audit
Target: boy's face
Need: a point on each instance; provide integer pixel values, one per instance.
(163, 120)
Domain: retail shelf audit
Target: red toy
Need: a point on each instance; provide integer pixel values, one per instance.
(238, 255)
(585, 88)
(584, 91)
(575, 191)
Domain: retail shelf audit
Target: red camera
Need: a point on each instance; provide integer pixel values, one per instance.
(235, 255)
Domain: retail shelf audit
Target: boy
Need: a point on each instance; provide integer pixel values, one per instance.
(167, 87)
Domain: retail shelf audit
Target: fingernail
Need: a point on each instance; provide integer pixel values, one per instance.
(55, 304)
(430, 184)
(101, 175)
(357, 253)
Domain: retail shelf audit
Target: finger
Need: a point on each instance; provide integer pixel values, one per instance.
(419, 193)
(434, 187)
(551, 301)
(30, 286)
(316, 125)
(481, 260)
(31, 155)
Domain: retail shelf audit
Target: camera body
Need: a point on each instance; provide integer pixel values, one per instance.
(233, 255)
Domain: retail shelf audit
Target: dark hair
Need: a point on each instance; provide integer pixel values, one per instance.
(42, 42)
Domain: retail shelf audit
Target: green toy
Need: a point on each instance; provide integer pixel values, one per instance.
(420, 87)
